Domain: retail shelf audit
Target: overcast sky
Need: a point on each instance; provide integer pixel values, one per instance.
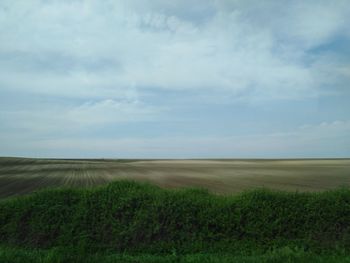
(175, 79)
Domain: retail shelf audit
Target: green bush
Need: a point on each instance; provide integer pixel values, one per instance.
(126, 216)
(59, 255)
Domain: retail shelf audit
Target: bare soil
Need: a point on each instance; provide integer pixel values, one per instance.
(21, 175)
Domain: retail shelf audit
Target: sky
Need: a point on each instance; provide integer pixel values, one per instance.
(175, 79)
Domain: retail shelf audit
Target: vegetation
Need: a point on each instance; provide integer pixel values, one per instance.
(188, 225)
(60, 255)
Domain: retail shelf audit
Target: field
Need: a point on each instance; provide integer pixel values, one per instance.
(266, 210)
(21, 175)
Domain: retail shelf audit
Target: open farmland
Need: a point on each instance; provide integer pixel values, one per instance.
(127, 221)
(20, 175)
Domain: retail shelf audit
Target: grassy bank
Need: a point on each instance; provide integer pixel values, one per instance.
(128, 217)
(59, 255)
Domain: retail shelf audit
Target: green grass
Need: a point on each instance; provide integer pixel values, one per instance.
(59, 255)
(189, 225)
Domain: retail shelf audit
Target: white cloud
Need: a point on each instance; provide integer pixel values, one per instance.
(321, 140)
(57, 119)
(82, 64)
(110, 111)
(302, 24)
(156, 44)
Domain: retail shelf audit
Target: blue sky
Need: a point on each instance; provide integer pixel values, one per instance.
(175, 79)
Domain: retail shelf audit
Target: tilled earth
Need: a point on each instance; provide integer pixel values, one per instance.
(21, 175)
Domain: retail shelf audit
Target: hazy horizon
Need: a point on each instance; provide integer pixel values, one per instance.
(180, 79)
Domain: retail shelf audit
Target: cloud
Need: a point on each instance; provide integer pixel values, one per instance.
(321, 140)
(110, 111)
(68, 67)
(300, 24)
(86, 47)
(62, 119)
